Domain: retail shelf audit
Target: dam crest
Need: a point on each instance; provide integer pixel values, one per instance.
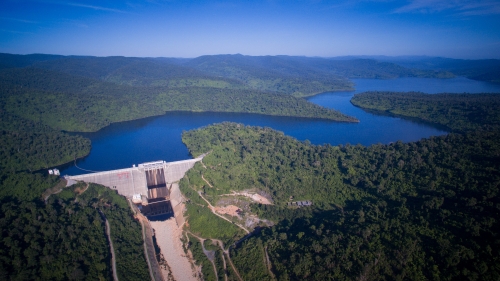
(152, 186)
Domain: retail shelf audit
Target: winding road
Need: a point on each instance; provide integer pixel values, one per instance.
(111, 248)
(221, 216)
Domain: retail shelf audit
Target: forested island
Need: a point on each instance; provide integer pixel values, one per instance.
(422, 210)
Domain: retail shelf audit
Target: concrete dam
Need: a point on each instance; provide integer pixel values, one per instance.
(153, 186)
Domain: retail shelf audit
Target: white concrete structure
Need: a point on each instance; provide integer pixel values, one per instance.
(131, 181)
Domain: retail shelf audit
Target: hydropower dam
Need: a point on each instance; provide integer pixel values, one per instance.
(153, 186)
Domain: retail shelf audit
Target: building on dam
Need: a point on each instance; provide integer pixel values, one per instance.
(152, 186)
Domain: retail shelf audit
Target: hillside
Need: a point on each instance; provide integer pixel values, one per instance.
(458, 112)
(276, 74)
(76, 103)
(134, 71)
(483, 70)
(63, 237)
(302, 76)
(423, 210)
(298, 76)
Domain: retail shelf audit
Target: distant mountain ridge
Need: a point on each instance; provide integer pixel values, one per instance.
(487, 70)
(295, 75)
(89, 93)
(85, 93)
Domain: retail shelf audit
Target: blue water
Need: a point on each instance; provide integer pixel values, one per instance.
(123, 144)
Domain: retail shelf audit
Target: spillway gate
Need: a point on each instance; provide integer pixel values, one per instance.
(153, 186)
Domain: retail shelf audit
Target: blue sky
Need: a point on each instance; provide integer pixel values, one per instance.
(170, 28)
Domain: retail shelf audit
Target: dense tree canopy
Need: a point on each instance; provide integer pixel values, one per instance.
(423, 210)
(459, 112)
(74, 103)
(30, 145)
(63, 238)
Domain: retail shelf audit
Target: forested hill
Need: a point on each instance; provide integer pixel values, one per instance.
(132, 71)
(426, 210)
(482, 70)
(459, 112)
(369, 68)
(302, 76)
(10, 60)
(298, 76)
(65, 101)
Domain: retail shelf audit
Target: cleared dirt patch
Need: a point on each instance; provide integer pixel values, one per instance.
(254, 196)
(228, 210)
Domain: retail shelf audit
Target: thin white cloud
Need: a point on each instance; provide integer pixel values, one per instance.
(15, 32)
(93, 7)
(461, 7)
(18, 20)
(80, 5)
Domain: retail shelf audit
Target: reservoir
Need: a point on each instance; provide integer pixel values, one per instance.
(121, 145)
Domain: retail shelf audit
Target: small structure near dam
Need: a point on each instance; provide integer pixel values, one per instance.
(153, 186)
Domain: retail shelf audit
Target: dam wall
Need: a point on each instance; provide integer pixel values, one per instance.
(138, 180)
(127, 182)
(175, 171)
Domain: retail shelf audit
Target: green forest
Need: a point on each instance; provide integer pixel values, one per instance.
(458, 112)
(65, 101)
(479, 69)
(63, 237)
(29, 145)
(421, 210)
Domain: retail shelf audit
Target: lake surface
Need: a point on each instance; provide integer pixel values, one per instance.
(121, 145)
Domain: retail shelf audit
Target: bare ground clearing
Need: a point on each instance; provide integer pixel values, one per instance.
(254, 196)
(228, 210)
(168, 238)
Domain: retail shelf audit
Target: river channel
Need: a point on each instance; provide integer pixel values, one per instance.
(121, 145)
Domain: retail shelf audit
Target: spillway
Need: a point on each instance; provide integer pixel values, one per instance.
(153, 184)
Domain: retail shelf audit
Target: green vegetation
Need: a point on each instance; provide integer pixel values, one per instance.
(302, 76)
(75, 103)
(247, 101)
(28, 145)
(250, 259)
(459, 112)
(65, 102)
(261, 158)
(371, 69)
(482, 70)
(126, 232)
(219, 262)
(271, 74)
(208, 225)
(24, 186)
(430, 220)
(202, 221)
(64, 238)
(207, 268)
(423, 210)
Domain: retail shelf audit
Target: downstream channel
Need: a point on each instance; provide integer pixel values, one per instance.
(121, 145)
